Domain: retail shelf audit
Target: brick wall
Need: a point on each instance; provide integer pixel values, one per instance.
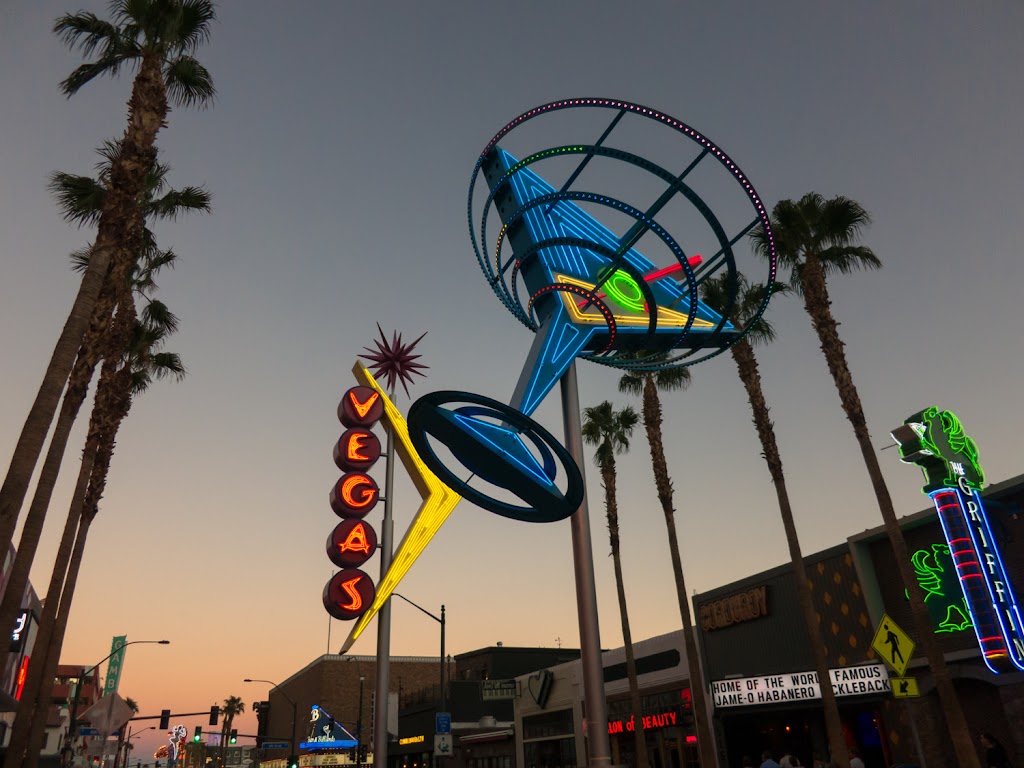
(332, 682)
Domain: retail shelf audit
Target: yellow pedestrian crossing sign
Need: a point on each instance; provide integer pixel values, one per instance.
(904, 687)
(893, 645)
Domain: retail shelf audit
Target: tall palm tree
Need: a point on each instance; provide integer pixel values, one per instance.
(610, 431)
(233, 705)
(818, 238)
(715, 293)
(157, 38)
(81, 198)
(121, 380)
(648, 384)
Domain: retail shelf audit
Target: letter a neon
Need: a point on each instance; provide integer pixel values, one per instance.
(363, 408)
(355, 541)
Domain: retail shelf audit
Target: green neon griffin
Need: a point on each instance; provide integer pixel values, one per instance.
(935, 441)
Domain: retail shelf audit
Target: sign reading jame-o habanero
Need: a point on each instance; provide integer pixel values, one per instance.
(745, 606)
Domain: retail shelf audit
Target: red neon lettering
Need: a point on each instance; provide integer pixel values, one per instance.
(356, 541)
(362, 408)
(350, 589)
(366, 497)
(356, 443)
(22, 674)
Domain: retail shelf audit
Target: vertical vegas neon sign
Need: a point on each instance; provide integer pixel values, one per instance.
(935, 441)
(353, 541)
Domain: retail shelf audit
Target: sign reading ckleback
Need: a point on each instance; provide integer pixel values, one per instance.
(935, 441)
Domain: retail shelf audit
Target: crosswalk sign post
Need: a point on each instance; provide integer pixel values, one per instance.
(893, 645)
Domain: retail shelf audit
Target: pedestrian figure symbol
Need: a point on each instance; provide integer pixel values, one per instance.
(893, 645)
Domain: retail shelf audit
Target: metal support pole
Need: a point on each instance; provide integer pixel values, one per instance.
(444, 698)
(359, 722)
(599, 749)
(295, 712)
(380, 712)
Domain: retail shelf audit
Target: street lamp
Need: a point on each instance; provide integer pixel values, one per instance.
(73, 726)
(441, 622)
(127, 746)
(289, 698)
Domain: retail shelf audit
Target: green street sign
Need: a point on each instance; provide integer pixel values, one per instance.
(114, 665)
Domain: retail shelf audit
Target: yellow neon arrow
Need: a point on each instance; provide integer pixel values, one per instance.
(438, 502)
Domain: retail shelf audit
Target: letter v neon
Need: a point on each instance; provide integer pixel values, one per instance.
(363, 408)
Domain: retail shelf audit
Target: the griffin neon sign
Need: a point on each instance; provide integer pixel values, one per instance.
(936, 441)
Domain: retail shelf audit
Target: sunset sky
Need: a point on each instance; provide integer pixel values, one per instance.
(338, 152)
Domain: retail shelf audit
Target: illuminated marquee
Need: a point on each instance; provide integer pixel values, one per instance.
(935, 441)
(350, 592)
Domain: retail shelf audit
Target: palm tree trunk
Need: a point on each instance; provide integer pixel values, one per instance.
(112, 406)
(746, 363)
(663, 483)
(818, 306)
(34, 692)
(38, 730)
(612, 510)
(78, 387)
(147, 111)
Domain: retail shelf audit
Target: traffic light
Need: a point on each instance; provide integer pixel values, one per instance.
(165, 719)
(234, 736)
(214, 711)
(198, 735)
(293, 761)
(362, 755)
(353, 754)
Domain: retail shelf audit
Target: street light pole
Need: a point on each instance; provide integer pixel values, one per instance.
(444, 699)
(289, 698)
(73, 724)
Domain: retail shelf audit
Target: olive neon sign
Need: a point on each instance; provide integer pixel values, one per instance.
(353, 541)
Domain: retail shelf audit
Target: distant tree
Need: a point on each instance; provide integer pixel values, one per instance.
(233, 705)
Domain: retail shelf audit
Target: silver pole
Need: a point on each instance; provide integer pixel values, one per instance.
(586, 590)
(380, 712)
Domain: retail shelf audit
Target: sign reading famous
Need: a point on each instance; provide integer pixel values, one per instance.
(799, 686)
(745, 606)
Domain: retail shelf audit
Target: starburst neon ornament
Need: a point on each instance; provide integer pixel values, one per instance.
(393, 360)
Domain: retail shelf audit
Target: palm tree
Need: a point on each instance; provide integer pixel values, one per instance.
(648, 384)
(157, 38)
(817, 238)
(610, 430)
(233, 705)
(81, 198)
(121, 380)
(715, 293)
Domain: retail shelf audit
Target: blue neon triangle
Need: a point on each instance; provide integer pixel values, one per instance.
(509, 442)
(567, 219)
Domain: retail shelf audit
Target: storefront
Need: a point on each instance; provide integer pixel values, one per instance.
(760, 670)
(551, 720)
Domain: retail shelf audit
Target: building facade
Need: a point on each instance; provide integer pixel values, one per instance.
(550, 717)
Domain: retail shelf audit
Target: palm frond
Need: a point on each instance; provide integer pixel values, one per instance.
(80, 198)
(167, 365)
(84, 30)
(632, 382)
(188, 82)
(85, 73)
(158, 318)
(845, 259)
(194, 22)
(179, 201)
(80, 258)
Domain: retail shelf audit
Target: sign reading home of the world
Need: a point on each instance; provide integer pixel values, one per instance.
(114, 665)
(798, 686)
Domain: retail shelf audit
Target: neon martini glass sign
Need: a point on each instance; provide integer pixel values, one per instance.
(936, 441)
